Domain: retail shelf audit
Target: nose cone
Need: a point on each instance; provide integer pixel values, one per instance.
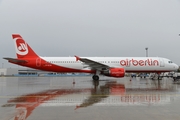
(176, 66)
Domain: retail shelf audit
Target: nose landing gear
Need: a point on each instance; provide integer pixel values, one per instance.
(95, 77)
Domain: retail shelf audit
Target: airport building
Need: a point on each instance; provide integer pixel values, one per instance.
(20, 71)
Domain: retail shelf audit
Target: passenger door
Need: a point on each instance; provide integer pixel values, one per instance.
(161, 62)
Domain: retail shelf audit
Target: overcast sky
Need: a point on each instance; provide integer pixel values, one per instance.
(120, 28)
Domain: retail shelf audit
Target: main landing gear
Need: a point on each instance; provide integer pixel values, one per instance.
(156, 76)
(95, 77)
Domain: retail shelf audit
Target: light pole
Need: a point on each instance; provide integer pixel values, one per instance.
(2, 65)
(146, 51)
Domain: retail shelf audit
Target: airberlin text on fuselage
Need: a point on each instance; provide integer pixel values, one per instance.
(147, 62)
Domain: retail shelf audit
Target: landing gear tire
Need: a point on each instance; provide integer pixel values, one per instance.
(159, 78)
(95, 77)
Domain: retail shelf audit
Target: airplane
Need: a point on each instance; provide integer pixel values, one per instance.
(107, 66)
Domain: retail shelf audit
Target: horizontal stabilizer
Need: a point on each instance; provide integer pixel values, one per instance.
(14, 60)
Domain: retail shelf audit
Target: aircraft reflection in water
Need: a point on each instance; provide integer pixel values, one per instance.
(115, 94)
(111, 94)
(99, 94)
(27, 103)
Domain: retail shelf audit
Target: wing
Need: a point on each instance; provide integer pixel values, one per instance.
(14, 60)
(92, 64)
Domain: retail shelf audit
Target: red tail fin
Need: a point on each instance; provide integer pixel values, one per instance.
(22, 48)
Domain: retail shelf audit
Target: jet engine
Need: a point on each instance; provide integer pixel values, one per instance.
(114, 72)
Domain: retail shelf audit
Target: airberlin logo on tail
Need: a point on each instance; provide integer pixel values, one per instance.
(21, 46)
(147, 62)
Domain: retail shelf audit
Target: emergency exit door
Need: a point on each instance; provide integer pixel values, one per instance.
(38, 62)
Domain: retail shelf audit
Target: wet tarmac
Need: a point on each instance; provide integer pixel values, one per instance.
(80, 98)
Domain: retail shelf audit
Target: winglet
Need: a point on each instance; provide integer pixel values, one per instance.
(77, 58)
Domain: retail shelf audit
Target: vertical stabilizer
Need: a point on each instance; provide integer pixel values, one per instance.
(23, 50)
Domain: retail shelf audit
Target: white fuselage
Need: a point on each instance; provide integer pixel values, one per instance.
(130, 64)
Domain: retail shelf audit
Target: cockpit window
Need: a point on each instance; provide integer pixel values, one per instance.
(170, 62)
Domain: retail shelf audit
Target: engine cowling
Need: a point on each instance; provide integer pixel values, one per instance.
(115, 72)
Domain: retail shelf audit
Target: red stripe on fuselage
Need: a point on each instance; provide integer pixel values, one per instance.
(46, 66)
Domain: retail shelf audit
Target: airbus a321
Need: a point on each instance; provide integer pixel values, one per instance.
(107, 66)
